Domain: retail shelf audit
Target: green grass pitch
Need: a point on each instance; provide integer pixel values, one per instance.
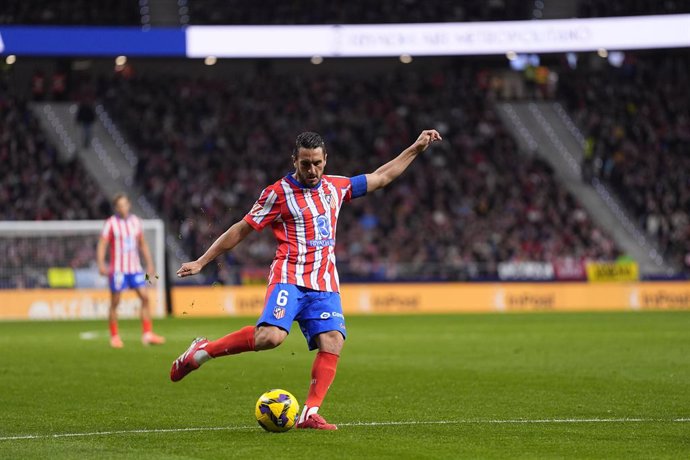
(588, 385)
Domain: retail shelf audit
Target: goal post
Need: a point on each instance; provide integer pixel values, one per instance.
(48, 270)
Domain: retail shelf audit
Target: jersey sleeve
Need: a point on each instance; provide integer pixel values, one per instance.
(357, 188)
(266, 209)
(107, 230)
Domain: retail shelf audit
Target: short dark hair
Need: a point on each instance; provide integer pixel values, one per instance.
(117, 197)
(309, 140)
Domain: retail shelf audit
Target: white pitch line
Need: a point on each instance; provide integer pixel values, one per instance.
(349, 424)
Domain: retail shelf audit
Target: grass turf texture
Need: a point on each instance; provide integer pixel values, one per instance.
(468, 368)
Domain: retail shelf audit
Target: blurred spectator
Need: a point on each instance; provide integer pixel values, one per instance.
(36, 184)
(636, 120)
(86, 116)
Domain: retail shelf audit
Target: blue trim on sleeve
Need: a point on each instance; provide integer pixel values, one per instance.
(359, 185)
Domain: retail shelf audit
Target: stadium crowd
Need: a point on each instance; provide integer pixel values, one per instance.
(207, 147)
(353, 11)
(37, 184)
(636, 120)
(70, 12)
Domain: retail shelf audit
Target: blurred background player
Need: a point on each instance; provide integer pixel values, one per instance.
(123, 233)
(302, 209)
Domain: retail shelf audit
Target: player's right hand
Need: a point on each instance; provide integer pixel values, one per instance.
(103, 270)
(189, 269)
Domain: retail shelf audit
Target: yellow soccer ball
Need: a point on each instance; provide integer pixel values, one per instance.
(277, 411)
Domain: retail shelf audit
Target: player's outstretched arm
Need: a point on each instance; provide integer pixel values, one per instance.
(394, 168)
(100, 256)
(228, 240)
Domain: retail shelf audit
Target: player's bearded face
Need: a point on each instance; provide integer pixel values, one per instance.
(309, 165)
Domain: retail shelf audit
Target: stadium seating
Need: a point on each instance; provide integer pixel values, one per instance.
(36, 184)
(70, 12)
(352, 12)
(637, 124)
(207, 147)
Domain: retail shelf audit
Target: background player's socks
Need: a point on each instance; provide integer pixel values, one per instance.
(322, 375)
(232, 344)
(146, 326)
(113, 329)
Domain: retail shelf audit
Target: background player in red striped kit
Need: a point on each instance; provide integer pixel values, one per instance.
(123, 233)
(302, 209)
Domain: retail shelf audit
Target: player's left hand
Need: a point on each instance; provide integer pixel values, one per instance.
(425, 139)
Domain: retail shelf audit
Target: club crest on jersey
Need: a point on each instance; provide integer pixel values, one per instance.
(279, 312)
(331, 201)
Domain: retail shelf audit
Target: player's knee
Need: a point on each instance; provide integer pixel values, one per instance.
(266, 338)
(331, 342)
(114, 301)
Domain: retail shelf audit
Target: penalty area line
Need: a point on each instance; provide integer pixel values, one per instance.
(347, 424)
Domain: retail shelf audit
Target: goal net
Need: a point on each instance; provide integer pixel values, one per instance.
(48, 270)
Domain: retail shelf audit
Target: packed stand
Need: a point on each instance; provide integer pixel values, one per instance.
(37, 184)
(208, 147)
(636, 120)
(70, 12)
(239, 12)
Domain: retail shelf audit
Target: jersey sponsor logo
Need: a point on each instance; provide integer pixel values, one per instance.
(321, 243)
(279, 312)
(323, 224)
(325, 315)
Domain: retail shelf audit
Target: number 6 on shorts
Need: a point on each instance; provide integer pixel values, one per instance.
(282, 298)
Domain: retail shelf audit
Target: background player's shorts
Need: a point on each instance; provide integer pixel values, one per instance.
(316, 312)
(121, 281)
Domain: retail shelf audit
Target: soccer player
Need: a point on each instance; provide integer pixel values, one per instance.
(302, 210)
(124, 235)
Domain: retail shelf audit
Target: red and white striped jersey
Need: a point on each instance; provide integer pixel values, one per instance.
(123, 237)
(304, 222)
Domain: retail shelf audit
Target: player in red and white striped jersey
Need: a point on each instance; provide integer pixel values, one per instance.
(123, 233)
(302, 209)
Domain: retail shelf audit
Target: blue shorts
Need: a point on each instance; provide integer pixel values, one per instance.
(121, 281)
(316, 312)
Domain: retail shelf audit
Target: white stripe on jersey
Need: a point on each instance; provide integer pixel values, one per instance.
(300, 230)
(284, 269)
(329, 249)
(266, 209)
(124, 234)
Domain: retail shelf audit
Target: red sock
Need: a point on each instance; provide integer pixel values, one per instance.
(113, 328)
(232, 344)
(146, 325)
(322, 375)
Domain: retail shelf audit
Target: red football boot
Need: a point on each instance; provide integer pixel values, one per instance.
(316, 422)
(186, 363)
